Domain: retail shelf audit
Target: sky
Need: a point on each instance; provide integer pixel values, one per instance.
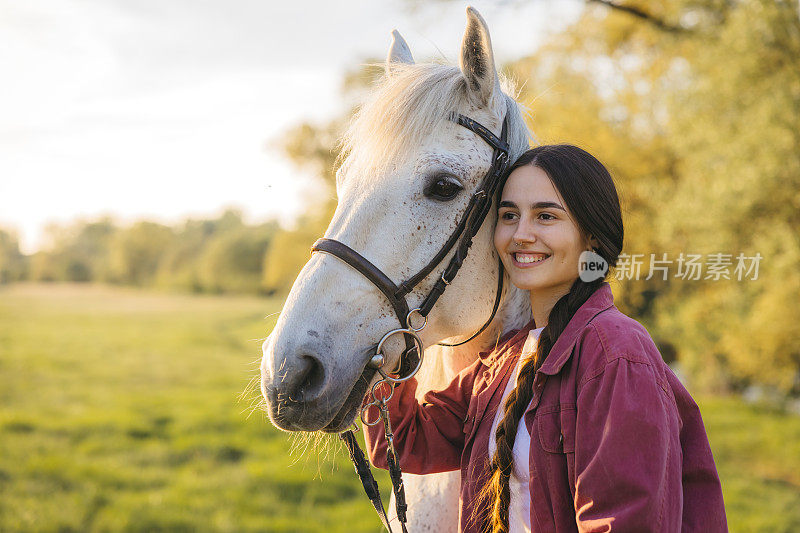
(166, 109)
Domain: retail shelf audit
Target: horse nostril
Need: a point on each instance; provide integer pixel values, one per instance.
(310, 378)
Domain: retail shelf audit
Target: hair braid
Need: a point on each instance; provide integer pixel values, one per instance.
(497, 492)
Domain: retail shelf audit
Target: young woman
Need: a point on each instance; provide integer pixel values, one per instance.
(573, 423)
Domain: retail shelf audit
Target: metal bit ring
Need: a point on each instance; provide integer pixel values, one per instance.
(420, 350)
(411, 325)
(364, 417)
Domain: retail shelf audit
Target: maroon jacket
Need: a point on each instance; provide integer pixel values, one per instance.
(617, 442)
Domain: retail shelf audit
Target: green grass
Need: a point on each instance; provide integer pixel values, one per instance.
(120, 411)
(757, 452)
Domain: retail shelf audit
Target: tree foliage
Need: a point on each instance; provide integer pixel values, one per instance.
(78, 252)
(134, 254)
(12, 262)
(222, 255)
(701, 129)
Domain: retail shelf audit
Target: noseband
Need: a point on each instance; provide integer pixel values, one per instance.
(410, 361)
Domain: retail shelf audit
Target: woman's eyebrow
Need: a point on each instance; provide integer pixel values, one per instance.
(537, 205)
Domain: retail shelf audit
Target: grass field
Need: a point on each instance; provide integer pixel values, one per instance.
(120, 411)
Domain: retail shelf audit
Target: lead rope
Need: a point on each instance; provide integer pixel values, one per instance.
(379, 398)
(365, 475)
(395, 473)
(363, 468)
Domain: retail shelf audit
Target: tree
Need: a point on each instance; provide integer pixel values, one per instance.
(12, 262)
(233, 261)
(77, 252)
(135, 253)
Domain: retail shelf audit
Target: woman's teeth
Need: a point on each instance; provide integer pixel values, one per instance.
(529, 258)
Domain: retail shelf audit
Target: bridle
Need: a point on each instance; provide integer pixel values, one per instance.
(411, 359)
(478, 207)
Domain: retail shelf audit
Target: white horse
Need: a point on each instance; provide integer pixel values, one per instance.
(405, 180)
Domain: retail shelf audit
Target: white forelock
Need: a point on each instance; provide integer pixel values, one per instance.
(411, 104)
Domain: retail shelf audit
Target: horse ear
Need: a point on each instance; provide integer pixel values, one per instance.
(398, 53)
(477, 58)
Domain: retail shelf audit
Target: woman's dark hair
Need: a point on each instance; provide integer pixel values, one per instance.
(591, 197)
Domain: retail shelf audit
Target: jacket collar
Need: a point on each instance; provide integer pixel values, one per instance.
(560, 353)
(504, 344)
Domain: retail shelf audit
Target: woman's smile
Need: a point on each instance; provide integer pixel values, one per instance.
(528, 259)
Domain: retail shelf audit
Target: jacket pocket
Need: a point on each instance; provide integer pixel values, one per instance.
(554, 505)
(556, 429)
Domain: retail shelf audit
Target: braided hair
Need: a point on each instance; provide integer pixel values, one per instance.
(591, 197)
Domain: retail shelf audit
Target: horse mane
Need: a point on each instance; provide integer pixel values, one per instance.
(413, 103)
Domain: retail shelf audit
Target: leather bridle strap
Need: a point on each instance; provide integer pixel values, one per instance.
(497, 298)
(369, 271)
(466, 229)
(365, 475)
(409, 358)
(473, 219)
(499, 157)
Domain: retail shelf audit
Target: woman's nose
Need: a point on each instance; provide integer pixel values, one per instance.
(525, 232)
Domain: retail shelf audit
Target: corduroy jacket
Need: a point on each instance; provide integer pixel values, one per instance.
(617, 442)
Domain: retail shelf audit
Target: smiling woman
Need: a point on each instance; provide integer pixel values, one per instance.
(592, 429)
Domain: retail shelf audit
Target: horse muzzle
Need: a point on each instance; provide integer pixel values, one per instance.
(302, 394)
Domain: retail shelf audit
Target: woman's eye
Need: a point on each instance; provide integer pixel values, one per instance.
(508, 215)
(548, 216)
(442, 189)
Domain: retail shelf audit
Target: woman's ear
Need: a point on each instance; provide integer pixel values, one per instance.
(594, 245)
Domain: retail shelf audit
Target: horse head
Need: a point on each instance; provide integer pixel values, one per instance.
(406, 177)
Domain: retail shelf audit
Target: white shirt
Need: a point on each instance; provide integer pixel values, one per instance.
(519, 510)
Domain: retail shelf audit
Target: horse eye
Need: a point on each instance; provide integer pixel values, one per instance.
(442, 188)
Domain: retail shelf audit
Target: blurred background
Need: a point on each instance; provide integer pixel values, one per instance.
(165, 166)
